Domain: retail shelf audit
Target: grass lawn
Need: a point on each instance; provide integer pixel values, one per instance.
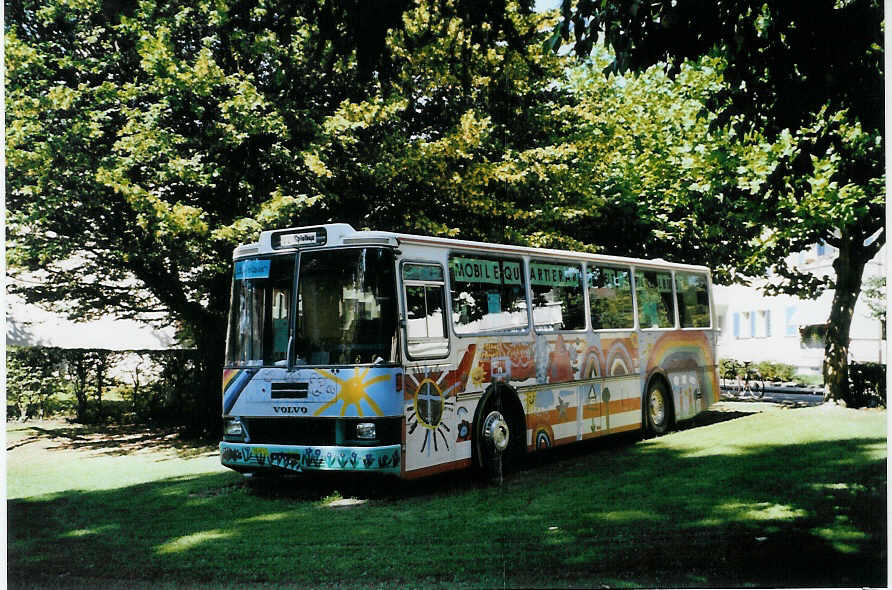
(750, 495)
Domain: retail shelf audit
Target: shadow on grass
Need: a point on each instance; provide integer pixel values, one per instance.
(714, 416)
(609, 513)
(113, 439)
(320, 485)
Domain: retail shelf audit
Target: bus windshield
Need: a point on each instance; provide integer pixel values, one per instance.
(346, 307)
(260, 311)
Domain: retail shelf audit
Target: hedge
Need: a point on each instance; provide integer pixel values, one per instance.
(772, 372)
(156, 385)
(867, 385)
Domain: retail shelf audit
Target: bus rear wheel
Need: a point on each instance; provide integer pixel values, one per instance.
(658, 408)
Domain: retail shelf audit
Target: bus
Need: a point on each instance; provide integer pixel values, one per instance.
(383, 352)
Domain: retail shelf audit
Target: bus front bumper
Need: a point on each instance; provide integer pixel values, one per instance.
(269, 457)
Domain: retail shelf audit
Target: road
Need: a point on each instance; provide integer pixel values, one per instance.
(781, 397)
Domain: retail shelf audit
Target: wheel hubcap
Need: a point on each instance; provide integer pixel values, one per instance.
(495, 430)
(657, 407)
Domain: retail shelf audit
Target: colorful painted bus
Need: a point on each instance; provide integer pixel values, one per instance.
(409, 355)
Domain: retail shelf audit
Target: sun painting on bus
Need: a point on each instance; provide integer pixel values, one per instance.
(428, 408)
(353, 391)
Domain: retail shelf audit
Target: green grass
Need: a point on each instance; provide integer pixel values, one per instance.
(788, 497)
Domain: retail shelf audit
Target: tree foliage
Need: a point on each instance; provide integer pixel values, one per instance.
(875, 297)
(145, 140)
(804, 85)
(667, 180)
(33, 382)
(785, 60)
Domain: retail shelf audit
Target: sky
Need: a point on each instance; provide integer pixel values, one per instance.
(544, 5)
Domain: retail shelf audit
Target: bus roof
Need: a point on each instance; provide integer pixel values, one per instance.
(342, 234)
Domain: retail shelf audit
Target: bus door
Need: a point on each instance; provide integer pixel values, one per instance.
(430, 377)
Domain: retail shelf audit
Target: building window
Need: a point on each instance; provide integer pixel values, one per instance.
(747, 324)
(791, 328)
(762, 324)
(751, 324)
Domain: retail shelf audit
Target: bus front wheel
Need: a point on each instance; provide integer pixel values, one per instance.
(658, 408)
(497, 439)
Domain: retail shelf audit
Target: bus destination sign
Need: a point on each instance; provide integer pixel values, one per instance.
(299, 239)
(304, 239)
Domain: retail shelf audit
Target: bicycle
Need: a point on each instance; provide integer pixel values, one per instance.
(750, 381)
(729, 371)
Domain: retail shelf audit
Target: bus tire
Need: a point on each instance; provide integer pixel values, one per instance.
(657, 408)
(499, 437)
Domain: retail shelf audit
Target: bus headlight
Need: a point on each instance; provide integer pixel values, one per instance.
(366, 431)
(233, 429)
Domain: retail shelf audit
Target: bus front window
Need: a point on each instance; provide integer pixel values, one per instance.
(346, 307)
(260, 311)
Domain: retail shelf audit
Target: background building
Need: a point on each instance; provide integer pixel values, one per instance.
(29, 325)
(790, 330)
(753, 327)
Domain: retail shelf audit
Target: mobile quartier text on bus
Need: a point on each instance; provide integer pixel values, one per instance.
(410, 355)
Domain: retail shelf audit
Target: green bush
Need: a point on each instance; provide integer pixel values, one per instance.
(776, 372)
(867, 385)
(812, 380)
(163, 387)
(33, 382)
(729, 368)
(159, 387)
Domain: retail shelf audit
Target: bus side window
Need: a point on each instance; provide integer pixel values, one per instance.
(610, 295)
(655, 303)
(692, 293)
(488, 294)
(558, 298)
(425, 295)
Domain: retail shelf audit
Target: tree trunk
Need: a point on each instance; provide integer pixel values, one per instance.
(210, 341)
(78, 369)
(849, 268)
(101, 369)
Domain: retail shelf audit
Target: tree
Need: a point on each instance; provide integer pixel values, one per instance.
(875, 294)
(145, 140)
(665, 179)
(32, 381)
(805, 81)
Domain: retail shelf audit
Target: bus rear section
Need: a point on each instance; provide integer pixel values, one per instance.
(312, 380)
